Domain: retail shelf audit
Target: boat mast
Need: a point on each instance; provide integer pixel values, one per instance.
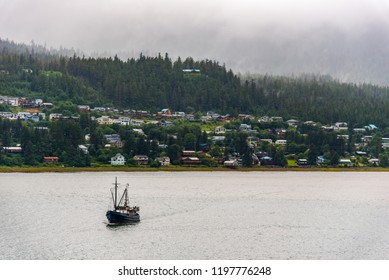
(116, 192)
(126, 197)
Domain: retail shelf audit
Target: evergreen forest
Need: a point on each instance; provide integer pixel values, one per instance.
(152, 83)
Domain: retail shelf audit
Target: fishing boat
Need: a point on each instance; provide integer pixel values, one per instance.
(122, 213)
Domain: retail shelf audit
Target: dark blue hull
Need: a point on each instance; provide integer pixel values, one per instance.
(115, 217)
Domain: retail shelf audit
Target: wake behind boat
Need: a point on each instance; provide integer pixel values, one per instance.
(122, 213)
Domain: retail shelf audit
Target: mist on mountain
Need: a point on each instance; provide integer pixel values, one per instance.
(345, 39)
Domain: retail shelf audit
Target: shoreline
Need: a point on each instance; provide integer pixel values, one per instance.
(186, 169)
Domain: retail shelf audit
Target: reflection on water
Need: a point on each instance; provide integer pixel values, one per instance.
(197, 215)
(112, 226)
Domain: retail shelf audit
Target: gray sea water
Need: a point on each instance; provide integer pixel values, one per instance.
(197, 215)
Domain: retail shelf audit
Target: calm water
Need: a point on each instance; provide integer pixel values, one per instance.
(197, 215)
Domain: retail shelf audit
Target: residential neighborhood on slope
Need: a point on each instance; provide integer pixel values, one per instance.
(211, 139)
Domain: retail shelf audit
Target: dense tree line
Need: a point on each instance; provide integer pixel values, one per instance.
(325, 100)
(152, 83)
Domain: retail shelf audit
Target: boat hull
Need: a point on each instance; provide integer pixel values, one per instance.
(115, 217)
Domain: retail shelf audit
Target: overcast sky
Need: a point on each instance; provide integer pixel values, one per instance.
(247, 35)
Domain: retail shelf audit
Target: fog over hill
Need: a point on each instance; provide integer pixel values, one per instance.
(360, 57)
(345, 39)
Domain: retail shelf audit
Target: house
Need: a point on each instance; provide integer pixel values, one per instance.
(13, 101)
(47, 105)
(261, 154)
(266, 140)
(55, 116)
(35, 118)
(188, 153)
(38, 101)
(371, 127)
(265, 119)
(164, 123)
(141, 159)
(277, 119)
(179, 115)
(139, 131)
(220, 130)
(374, 161)
(163, 161)
(310, 123)
(245, 127)
(345, 162)
(266, 160)
(218, 138)
(12, 150)
(321, 160)
(343, 137)
(190, 117)
(292, 122)
(24, 116)
(119, 159)
(246, 117)
(254, 141)
(104, 120)
(190, 160)
(162, 146)
(165, 112)
(112, 138)
(367, 138)
(385, 143)
(99, 109)
(123, 121)
(231, 163)
(361, 153)
(212, 115)
(205, 118)
(191, 71)
(84, 107)
(341, 126)
(83, 149)
(51, 160)
(136, 122)
(328, 128)
(280, 132)
(281, 142)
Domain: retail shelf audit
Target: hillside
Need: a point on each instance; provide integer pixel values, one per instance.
(152, 83)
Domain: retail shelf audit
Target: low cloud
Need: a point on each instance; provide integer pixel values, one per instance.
(279, 37)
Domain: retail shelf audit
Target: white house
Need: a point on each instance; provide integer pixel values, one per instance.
(118, 160)
(280, 142)
(83, 149)
(265, 119)
(293, 123)
(231, 163)
(220, 130)
(345, 162)
(340, 126)
(164, 161)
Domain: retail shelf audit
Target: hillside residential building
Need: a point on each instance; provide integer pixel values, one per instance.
(163, 161)
(119, 159)
(141, 159)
